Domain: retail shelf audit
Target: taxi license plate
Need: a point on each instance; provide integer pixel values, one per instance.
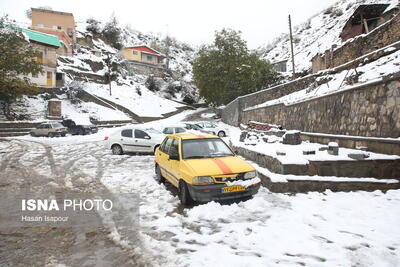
(230, 189)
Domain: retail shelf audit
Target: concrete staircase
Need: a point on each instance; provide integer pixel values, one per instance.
(10, 128)
(322, 175)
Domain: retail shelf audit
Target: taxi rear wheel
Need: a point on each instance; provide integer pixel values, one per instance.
(159, 177)
(184, 194)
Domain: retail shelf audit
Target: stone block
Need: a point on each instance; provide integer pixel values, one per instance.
(54, 108)
(358, 156)
(292, 138)
(308, 152)
(242, 136)
(323, 148)
(280, 153)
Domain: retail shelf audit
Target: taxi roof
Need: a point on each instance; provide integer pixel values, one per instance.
(185, 136)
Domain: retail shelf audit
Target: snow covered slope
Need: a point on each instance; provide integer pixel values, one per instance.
(131, 90)
(316, 35)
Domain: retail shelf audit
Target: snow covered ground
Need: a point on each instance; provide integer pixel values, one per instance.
(314, 229)
(145, 104)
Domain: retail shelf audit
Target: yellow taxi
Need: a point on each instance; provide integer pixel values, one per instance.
(204, 168)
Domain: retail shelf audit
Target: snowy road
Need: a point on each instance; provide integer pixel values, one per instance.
(315, 229)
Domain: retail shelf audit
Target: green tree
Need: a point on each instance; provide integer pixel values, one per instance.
(17, 59)
(112, 33)
(227, 69)
(111, 74)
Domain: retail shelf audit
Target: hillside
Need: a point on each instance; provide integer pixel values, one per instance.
(143, 94)
(316, 35)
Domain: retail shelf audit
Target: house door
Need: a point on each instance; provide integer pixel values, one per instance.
(49, 79)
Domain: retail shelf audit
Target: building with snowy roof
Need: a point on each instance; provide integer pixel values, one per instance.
(143, 54)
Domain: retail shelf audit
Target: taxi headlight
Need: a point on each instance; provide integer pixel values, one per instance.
(203, 180)
(250, 175)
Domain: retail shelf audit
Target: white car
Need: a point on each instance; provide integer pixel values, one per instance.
(131, 139)
(174, 130)
(212, 128)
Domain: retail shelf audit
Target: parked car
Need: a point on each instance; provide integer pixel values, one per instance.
(81, 129)
(191, 126)
(204, 168)
(132, 140)
(49, 129)
(174, 130)
(212, 128)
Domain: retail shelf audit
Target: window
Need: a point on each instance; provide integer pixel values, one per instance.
(173, 150)
(57, 27)
(149, 58)
(134, 52)
(39, 59)
(205, 148)
(126, 133)
(40, 25)
(168, 130)
(180, 130)
(166, 145)
(35, 75)
(141, 134)
(209, 125)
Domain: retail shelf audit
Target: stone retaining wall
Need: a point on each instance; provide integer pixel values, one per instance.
(382, 36)
(231, 114)
(368, 110)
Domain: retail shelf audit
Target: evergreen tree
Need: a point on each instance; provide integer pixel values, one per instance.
(17, 59)
(93, 26)
(112, 70)
(226, 69)
(112, 33)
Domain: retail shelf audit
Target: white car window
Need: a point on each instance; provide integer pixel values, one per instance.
(180, 130)
(168, 130)
(127, 133)
(141, 134)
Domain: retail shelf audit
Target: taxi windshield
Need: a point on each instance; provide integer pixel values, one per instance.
(205, 148)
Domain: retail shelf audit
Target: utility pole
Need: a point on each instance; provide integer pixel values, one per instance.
(291, 45)
(168, 44)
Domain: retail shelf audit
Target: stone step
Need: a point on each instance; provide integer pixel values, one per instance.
(379, 168)
(3, 130)
(304, 186)
(17, 124)
(10, 134)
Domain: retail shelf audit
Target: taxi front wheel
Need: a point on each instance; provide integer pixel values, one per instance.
(184, 194)
(159, 177)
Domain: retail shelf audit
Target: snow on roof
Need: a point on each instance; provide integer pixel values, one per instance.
(52, 11)
(145, 49)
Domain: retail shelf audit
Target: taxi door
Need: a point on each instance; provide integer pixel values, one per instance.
(163, 157)
(173, 165)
